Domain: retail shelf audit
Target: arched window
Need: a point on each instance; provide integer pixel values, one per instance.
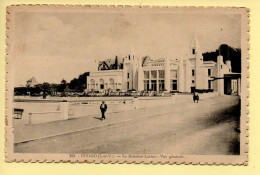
(92, 84)
(111, 83)
(101, 84)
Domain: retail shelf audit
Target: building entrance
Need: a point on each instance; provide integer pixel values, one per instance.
(153, 85)
(192, 89)
(234, 86)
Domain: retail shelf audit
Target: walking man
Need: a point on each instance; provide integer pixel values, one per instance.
(195, 97)
(103, 108)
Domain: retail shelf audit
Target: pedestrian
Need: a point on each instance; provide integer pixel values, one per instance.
(103, 108)
(195, 97)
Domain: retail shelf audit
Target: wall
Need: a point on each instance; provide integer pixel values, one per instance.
(105, 75)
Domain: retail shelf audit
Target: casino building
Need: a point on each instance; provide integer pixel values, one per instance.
(164, 74)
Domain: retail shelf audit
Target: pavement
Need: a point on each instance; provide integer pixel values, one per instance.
(27, 133)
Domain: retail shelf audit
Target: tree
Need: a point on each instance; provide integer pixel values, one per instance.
(73, 84)
(61, 87)
(63, 81)
(79, 84)
(228, 53)
(46, 87)
(36, 90)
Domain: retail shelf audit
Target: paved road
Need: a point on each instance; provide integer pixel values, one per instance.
(204, 128)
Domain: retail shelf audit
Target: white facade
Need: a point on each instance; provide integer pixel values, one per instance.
(104, 80)
(163, 74)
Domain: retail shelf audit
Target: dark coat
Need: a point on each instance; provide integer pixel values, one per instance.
(195, 96)
(103, 109)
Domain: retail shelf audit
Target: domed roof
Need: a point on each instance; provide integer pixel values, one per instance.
(146, 59)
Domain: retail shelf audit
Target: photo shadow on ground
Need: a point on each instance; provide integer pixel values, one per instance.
(98, 118)
(231, 115)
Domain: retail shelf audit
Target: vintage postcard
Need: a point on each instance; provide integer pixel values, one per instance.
(121, 84)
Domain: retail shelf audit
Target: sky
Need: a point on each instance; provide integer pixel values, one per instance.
(59, 44)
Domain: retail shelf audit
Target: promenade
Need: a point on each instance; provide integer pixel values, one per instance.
(135, 130)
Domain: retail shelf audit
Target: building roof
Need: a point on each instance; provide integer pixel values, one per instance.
(109, 64)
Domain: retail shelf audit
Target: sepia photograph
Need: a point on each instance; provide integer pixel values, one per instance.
(123, 84)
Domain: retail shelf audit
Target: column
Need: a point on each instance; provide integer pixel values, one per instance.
(167, 75)
(134, 74)
(181, 76)
(150, 86)
(131, 75)
(188, 76)
(197, 73)
(157, 81)
(220, 75)
(239, 86)
(124, 78)
(140, 85)
(64, 109)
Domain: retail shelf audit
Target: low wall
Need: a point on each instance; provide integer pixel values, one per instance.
(70, 99)
(33, 108)
(35, 113)
(49, 116)
(44, 117)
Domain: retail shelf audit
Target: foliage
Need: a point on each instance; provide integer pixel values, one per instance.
(76, 84)
(228, 53)
(79, 84)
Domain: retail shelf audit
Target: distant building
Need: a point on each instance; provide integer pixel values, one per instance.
(163, 74)
(31, 82)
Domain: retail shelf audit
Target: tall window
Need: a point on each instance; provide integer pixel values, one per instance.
(128, 75)
(193, 51)
(146, 85)
(146, 74)
(154, 85)
(209, 84)
(209, 72)
(174, 86)
(128, 85)
(173, 80)
(154, 80)
(111, 83)
(173, 74)
(161, 80)
(161, 85)
(92, 84)
(153, 74)
(193, 72)
(161, 73)
(101, 84)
